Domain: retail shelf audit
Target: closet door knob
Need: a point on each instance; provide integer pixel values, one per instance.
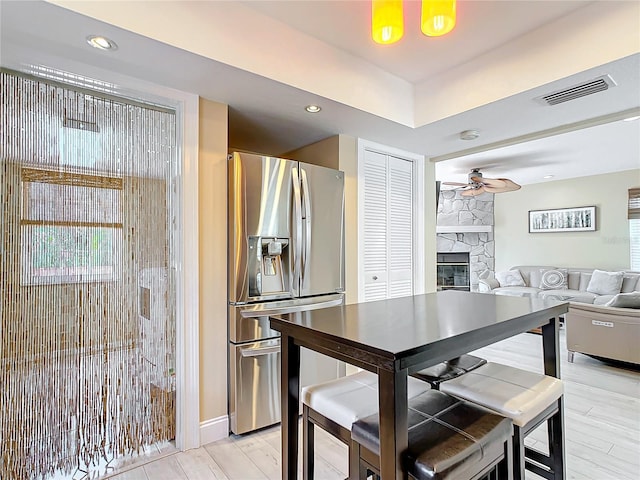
(375, 277)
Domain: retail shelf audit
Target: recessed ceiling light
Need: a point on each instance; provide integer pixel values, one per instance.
(469, 134)
(548, 176)
(103, 43)
(312, 108)
(631, 119)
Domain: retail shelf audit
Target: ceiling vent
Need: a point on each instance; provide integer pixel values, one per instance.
(599, 84)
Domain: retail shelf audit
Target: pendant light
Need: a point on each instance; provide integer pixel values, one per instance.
(387, 23)
(438, 17)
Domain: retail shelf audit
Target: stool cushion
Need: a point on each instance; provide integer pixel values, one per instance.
(448, 438)
(448, 370)
(511, 392)
(346, 399)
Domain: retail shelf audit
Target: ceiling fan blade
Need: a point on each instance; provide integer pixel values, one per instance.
(473, 192)
(492, 182)
(509, 186)
(455, 184)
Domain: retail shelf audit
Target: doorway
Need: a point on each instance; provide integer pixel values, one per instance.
(88, 334)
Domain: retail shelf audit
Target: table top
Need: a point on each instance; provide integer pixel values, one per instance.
(430, 326)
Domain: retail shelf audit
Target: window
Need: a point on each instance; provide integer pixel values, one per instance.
(634, 227)
(71, 230)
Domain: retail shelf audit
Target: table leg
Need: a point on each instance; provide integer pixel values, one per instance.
(555, 426)
(550, 347)
(394, 431)
(290, 405)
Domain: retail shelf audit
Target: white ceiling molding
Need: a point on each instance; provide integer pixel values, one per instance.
(228, 32)
(537, 58)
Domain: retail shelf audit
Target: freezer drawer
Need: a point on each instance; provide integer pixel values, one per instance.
(254, 381)
(254, 385)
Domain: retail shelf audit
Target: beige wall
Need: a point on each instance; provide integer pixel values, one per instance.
(212, 235)
(348, 147)
(325, 153)
(606, 248)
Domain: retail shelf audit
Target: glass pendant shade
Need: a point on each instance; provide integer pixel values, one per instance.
(386, 21)
(438, 17)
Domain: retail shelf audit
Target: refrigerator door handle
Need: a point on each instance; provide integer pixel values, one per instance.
(259, 352)
(306, 201)
(263, 310)
(297, 214)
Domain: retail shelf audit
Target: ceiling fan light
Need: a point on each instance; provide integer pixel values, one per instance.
(438, 17)
(387, 23)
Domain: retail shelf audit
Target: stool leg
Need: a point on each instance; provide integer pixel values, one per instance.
(556, 442)
(518, 453)
(308, 446)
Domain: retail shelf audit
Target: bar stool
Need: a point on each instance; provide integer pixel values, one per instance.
(449, 439)
(528, 399)
(448, 370)
(336, 404)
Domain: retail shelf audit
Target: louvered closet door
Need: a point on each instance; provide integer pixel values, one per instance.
(400, 227)
(388, 226)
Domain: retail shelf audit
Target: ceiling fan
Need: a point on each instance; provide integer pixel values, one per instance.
(478, 184)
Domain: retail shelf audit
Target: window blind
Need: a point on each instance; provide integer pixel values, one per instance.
(634, 235)
(634, 227)
(634, 204)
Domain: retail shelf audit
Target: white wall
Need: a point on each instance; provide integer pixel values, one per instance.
(606, 248)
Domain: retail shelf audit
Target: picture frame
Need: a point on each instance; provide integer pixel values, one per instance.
(575, 219)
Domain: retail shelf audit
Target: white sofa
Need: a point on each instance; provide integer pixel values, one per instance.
(577, 283)
(593, 327)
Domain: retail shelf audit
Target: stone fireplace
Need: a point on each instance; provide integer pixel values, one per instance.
(465, 224)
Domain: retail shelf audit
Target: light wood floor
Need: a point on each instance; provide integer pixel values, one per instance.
(602, 407)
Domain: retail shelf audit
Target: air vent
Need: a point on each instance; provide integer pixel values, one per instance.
(593, 86)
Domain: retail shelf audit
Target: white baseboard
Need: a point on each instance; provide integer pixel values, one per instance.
(214, 429)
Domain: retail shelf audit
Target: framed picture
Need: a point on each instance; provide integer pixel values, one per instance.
(577, 219)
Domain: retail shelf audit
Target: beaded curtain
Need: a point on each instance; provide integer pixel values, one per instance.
(87, 331)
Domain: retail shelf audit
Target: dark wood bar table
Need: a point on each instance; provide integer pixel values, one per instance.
(396, 337)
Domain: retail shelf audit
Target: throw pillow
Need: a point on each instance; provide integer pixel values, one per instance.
(510, 278)
(605, 283)
(625, 300)
(554, 280)
(629, 283)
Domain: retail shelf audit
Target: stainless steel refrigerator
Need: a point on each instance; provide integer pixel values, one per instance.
(286, 254)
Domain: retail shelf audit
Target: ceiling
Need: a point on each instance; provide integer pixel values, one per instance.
(269, 59)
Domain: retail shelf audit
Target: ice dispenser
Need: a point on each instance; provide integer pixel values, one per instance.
(268, 267)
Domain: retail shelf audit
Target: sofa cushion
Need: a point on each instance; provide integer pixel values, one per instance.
(554, 279)
(517, 291)
(602, 299)
(570, 295)
(625, 300)
(585, 278)
(630, 283)
(605, 283)
(510, 278)
(573, 282)
(535, 277)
